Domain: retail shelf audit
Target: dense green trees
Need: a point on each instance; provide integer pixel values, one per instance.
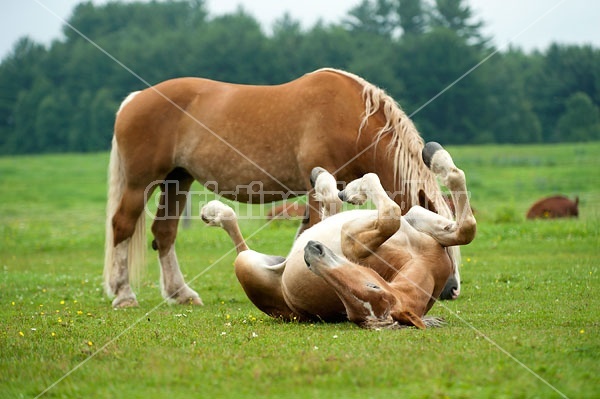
(63, 98)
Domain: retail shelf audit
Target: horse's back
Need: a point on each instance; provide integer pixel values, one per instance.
(269, 134)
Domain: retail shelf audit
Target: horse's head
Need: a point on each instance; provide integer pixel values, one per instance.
(369, 300)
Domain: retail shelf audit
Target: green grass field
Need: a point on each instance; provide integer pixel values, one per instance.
(527, 324)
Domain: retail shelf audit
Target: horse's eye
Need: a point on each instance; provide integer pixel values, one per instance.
(374, 286)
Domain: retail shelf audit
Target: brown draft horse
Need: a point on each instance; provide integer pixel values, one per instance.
(375, 268)
(233, 138)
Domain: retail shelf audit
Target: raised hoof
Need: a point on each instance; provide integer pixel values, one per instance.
(214, 212)
(430, 148)
(353, 199)
(314, 174)
(355, 192)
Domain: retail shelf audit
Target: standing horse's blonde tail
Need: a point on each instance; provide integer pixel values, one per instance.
(137, 244)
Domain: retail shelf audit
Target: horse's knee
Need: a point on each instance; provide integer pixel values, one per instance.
(164, 235)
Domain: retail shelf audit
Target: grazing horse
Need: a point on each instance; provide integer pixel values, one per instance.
(234, 138)
(375, 268)
(557, 206)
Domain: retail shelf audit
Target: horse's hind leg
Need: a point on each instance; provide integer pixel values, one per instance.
(172, 203)
(445, 231)
(259, 274)
(124, 225)
(217, 214)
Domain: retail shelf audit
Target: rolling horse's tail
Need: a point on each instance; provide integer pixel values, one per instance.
(137, 244)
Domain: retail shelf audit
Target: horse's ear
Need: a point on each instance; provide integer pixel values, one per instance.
(409, 318)
(425, 202)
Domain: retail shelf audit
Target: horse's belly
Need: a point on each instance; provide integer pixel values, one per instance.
(306, 292)
(242, 179)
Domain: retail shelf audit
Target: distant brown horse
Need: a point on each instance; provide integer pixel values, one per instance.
(557, 206)
(252, 144)
(375, 268)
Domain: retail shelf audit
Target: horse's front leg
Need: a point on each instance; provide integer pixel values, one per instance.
(362, 237)
(259, 274)
(323, 202)
(326, 192)
(172, 202)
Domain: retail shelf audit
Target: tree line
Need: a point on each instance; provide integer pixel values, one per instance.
(64, 97)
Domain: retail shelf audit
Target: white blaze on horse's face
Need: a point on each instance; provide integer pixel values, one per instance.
(364, 293)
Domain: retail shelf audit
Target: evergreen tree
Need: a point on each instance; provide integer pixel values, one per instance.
(457, 16)
(412, 16)
(580, 121)
(64, 98)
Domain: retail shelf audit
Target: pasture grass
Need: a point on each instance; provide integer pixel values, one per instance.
(525, 326)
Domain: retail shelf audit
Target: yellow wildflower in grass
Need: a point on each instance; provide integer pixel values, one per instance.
(21, 333)
(62, 302)
(90, 343)
(13, 303)
(79, 312)
(53, 334)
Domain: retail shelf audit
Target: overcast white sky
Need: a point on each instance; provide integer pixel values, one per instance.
(528, 24)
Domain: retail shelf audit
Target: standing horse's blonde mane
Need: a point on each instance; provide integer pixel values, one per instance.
(405, 143)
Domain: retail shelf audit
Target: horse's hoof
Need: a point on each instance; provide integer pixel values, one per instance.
(215, 212)
(430, 148)
(314, 174)
(194, 300)
(125, 303)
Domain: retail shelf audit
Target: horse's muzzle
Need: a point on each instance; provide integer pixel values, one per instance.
(312, 251)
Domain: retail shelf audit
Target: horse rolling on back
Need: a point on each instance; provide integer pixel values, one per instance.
(251, 144)
(375, 268)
